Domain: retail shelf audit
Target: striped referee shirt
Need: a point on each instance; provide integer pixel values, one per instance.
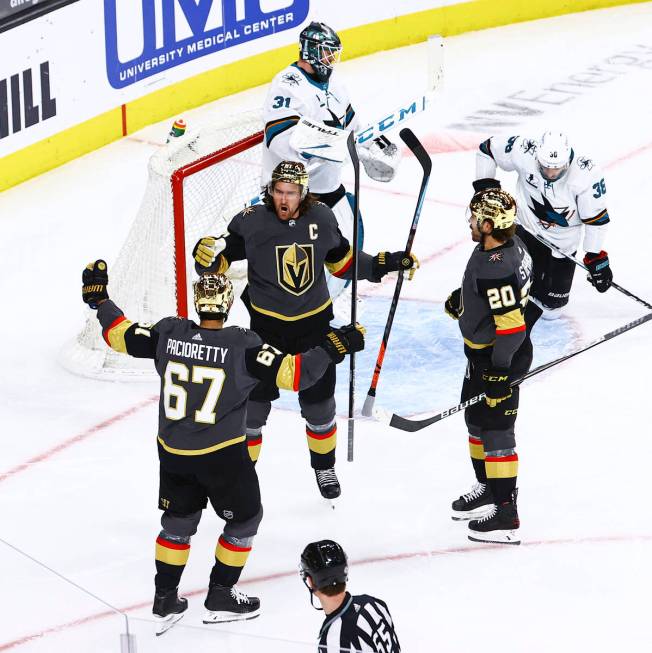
(361, 623)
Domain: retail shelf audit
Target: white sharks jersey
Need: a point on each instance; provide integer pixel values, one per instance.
(556, 210)
(292, 95)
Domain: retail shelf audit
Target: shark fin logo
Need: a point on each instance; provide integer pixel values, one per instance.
(295, 265)
(550, 216)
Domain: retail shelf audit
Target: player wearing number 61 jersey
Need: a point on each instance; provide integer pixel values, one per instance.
(207, 373)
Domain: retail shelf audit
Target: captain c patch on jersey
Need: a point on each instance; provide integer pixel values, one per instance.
(295, 267)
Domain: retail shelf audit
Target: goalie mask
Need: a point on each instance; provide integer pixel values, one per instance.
(554, 155)
(496, 205)
(321, 48)
(213, 296)
(291, 172)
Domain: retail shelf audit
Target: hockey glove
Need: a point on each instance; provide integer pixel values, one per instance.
(453, 305)
(95, 279)
(496, 386)
(380, 159)
(344, 340)
(385, 262)
(600, 274)
(207, 250)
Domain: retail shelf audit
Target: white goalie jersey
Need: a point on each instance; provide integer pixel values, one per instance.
(292, 95)
(557, 210)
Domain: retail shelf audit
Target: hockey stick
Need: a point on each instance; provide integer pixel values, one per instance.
(577, 261)
(411, 425)
(424, 160)
(354, 286)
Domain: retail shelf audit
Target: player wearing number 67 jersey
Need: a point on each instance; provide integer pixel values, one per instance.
(207, 373)
(490, 308)
(561, 195)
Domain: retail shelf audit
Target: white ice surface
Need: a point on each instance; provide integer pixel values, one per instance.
(78, 474)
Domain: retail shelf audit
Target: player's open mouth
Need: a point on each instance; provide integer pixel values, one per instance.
(284, 209)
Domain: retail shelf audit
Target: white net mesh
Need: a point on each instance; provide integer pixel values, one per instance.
(143, 280)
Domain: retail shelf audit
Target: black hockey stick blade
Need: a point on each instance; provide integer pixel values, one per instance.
(412, 425)
(408, 137)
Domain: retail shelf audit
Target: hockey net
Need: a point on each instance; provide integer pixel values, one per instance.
(196, 184)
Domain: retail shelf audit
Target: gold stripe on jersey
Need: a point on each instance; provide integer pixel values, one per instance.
(291, 318)
(509, 321)
(200, 452)
(287, 377)
(342, 265)
(478, 345)
(115, 335)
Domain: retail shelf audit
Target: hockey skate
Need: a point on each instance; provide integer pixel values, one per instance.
(229, 604)
(500, 525)
(168, 609)
(474, 504)
(328, 484)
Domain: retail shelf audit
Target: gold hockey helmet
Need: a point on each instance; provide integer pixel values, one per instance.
(213, 296)
(292, 172)
(496, 205)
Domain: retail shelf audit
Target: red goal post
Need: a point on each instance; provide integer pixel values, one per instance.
(196, 184)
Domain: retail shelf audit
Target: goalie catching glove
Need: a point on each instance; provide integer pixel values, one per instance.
(496, 386)
(345, 340)
(380, 159)
(385, 262)
(207, 250)
(95, 279)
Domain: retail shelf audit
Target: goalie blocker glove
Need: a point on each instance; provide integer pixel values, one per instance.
(600, 274)
(207, 250)
(385, 262)
(95, 279)
(345, 340)
(496, 385)
(380, 159)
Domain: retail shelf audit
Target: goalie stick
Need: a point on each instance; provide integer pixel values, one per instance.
(579, 263)
(408, 137)
(412, 425)
(354, 287)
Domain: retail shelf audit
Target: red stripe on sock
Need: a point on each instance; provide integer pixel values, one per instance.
(474, 440)
(233, 547)
(172, 545)
(321, 436)
(297, 372)
(501, 459)
(254, 443)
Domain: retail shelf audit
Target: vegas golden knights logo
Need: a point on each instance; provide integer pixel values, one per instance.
(295, 267)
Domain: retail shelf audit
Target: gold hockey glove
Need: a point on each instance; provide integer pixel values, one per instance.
(207, 250)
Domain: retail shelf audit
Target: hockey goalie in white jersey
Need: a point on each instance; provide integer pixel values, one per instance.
(308, 88)
(561, 197)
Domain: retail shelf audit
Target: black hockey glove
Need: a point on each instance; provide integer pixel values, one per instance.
(484, 184)
(385, 262)
(453, 305)
(600, 274)
(344, 340)
(95, 279)
(496, 386)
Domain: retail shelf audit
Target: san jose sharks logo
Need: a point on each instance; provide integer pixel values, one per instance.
(292, 79)
(550, 216)
(584, 163)
(295, 267)
(528, 146)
